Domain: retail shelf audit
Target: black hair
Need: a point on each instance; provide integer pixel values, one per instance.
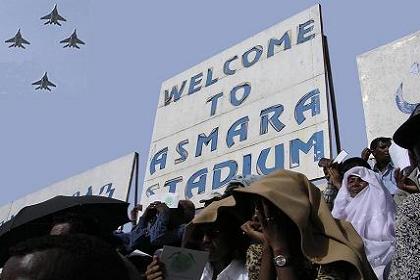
(80, 223)
(375, 142)
(71, 257)
(353, 162)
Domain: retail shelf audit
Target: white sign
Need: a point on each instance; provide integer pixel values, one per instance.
(390, 83)
(111, 179)
(256, 107)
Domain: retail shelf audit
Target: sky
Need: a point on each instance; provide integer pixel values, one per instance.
(107, 92)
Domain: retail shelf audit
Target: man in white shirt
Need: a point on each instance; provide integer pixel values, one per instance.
(224, 241)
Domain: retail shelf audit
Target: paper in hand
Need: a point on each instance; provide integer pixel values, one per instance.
(182, 263)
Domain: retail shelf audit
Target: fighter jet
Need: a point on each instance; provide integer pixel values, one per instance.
(43, 83)
(53, 17)
(17, 41)
(72, 41)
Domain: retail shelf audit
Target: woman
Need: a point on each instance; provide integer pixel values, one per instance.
(369, 207)
(303, 239)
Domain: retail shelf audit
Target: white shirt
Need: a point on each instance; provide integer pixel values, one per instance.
(236, 270)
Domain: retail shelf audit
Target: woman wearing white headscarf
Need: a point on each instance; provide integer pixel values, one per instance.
(368, 206)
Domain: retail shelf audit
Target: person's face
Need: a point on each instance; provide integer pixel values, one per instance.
(355, 185)
(216, 242)
(381, 152)
(61, 229)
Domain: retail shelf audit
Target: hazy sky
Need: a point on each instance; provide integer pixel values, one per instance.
(107, 92)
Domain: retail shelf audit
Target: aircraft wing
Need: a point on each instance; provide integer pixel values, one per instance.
(46, 17)
(51, 84)
(65, 40)
(37, 83)
(12, 40)
(25, 42)
(78, 41)
(61, 18)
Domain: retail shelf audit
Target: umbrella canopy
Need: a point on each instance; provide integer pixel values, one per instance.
(36, 220)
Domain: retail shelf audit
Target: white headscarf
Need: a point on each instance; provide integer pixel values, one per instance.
(372, 214)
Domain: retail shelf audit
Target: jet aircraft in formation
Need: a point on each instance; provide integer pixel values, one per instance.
(17, 41)
(53, 17)
(72, 41)
(44, 83)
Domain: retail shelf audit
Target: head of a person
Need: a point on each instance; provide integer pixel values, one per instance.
(355, 185)
(188, 210)
(380, 149)
(314, 233)
(64, 257)
(223, 239)
(352, 162)
(74, 222)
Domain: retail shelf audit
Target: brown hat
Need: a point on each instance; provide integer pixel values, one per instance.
(408, 134)
(210, 213)
(324, 240)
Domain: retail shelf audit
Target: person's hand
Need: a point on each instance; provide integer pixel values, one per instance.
(334, 176)
(404, 183)
(155, 270)
(134, 213)
(150, 211)
(272, 228)
(162, 207)
(254, 230)
(366, 154)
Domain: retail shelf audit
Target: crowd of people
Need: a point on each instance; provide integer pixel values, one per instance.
(364, 225)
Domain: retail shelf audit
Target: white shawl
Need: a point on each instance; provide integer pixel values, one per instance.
(372, 214)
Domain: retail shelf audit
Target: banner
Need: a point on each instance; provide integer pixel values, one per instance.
(254, 108)
(111, 179)
(390, 84)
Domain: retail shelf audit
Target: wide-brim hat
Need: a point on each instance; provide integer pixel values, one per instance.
(211, 212)
(408, 134)
(324, 240)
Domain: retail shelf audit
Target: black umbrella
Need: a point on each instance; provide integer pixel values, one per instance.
(36, 220)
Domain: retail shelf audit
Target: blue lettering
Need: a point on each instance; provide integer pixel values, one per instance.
(246, 91)
(246, 167)
(172, 184)
(316, 141)
(175, 93)
(203, 139)
(181, 151)
(245, 57)
(240, 127)
(217, 173)
(89, 192)
(108, 190)
(278, 42)
(199, 184)
(210, 80)
(195, 83)
(226, 67)
(159, 159)
(305, 28)
(150, 191)
(274, 120)
(314, 106)
(213, 101)
(262, 168)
